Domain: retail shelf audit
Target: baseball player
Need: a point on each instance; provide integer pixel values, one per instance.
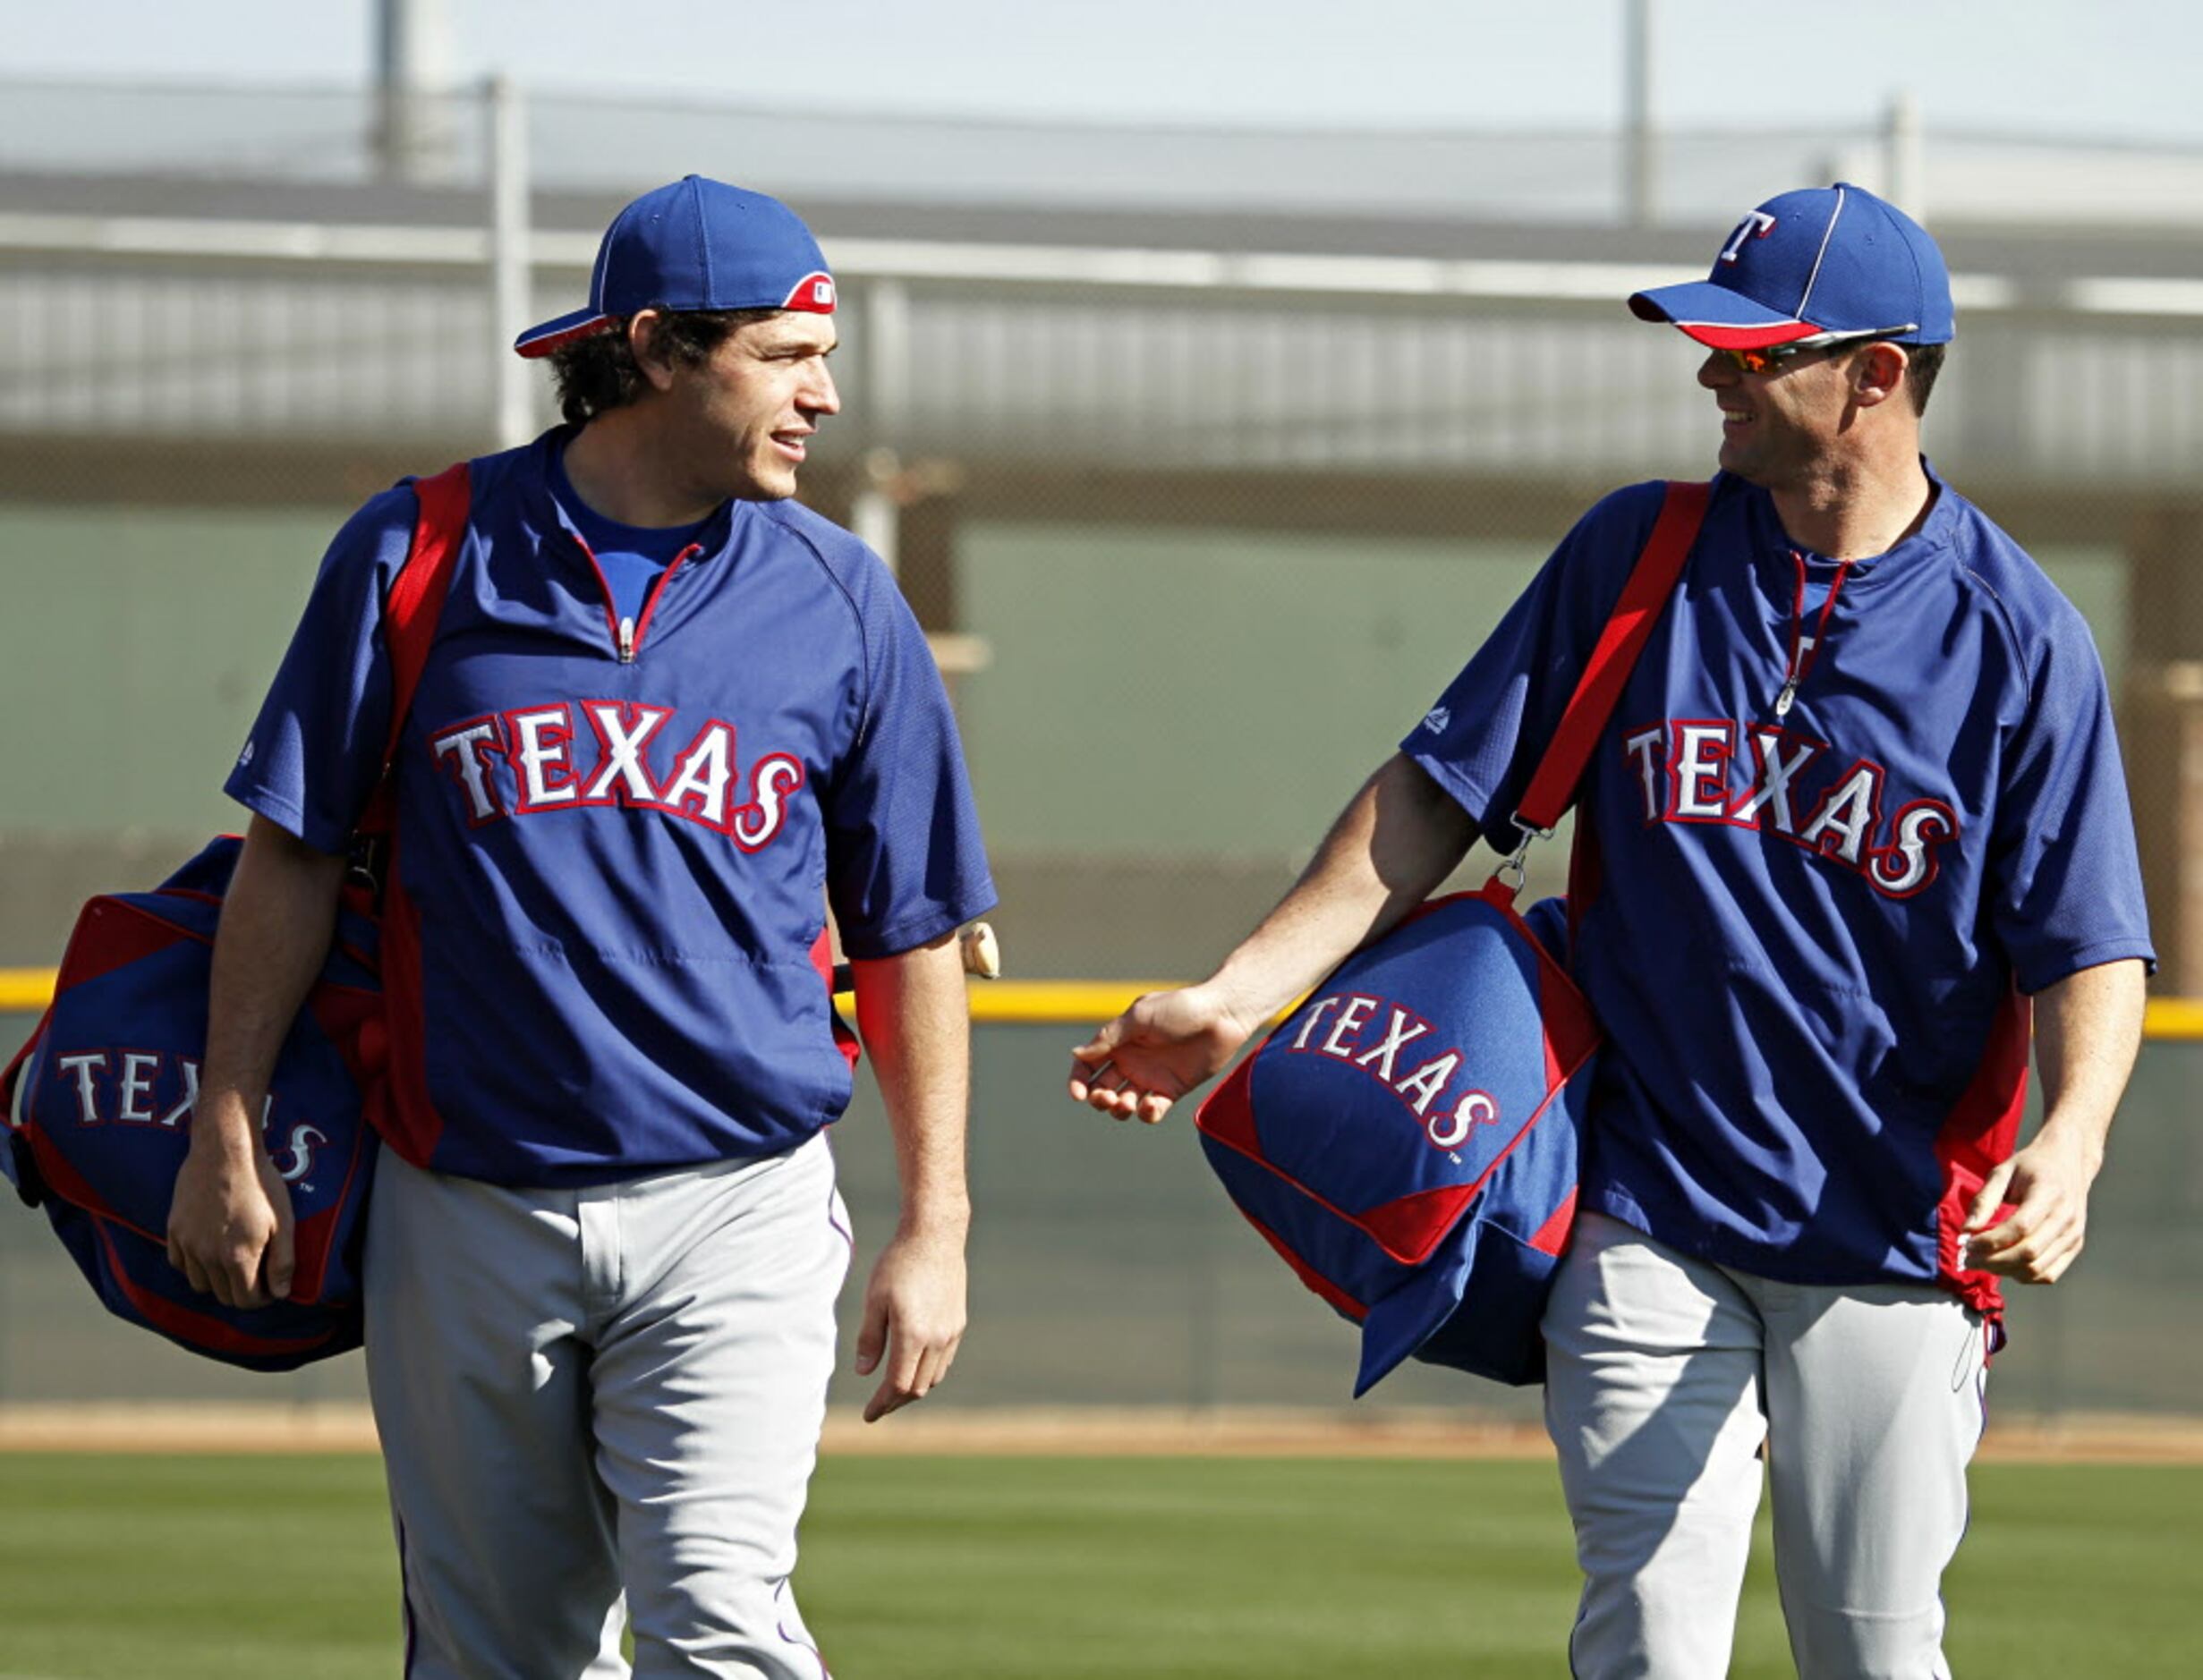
(664, 704)
(1859, 803)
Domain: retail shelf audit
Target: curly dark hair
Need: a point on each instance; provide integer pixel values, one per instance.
(598, 374)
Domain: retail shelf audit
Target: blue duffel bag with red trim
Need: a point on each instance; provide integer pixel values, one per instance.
(1409, 1134)
(98, 1103)
(100, 1106)
(1408, 1139)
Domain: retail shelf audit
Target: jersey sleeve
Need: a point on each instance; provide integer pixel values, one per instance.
(316, 750)
(2066, 882)
(1483, 740)
(905, 862)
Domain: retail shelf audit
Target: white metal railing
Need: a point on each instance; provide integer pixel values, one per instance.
(232, 325)
(1636, 176)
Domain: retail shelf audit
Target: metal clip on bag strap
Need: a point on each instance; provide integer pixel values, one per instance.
(1552, 786)
(416, 602)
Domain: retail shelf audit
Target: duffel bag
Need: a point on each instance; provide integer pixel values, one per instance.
(100, 1102)
(1409, 1135)
(1408, 1140)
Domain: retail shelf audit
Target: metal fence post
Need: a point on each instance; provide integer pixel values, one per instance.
(1640, 145)
(1905, 165)
(509, 271)
(874, 515)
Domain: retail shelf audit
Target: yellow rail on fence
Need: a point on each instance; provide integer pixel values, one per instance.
(1041, 1002)
(1076, 1003)
(25, 990)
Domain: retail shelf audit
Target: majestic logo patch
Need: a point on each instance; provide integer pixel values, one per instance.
(529, 760)
(1373, 1034)
(1688, 770)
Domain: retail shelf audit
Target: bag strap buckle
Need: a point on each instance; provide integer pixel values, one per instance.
(1515, 867)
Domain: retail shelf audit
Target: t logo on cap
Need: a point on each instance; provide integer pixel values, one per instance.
(1758, 224)
(1825, 261)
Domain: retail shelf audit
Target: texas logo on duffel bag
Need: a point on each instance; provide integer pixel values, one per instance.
(99, 1115)
(99, 1104)
(1407, 1139)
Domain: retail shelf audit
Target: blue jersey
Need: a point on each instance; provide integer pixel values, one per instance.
(617, 838)
(1842, 820)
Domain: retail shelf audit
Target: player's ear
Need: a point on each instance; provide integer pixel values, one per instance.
(646, 344)
(1878, 374)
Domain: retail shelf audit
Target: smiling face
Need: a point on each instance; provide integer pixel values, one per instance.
(741, 420)
(1783, 426)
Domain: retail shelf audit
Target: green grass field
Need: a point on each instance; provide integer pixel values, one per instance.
(180, 1568)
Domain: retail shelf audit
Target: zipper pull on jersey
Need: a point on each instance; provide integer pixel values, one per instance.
(626, 641)
(1783, 699)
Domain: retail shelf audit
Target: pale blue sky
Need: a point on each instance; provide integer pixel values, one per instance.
(2109, 68)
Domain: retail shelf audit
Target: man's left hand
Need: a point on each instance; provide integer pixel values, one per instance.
(2048, 1183)
(914, 1313)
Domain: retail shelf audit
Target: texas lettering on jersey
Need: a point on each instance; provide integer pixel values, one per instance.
(1757, 776)
(563, 755)
(1373, 1034)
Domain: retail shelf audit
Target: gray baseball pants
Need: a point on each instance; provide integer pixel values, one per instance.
(603, 1406)
(1666, 1375)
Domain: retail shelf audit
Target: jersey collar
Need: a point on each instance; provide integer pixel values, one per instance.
(539, 472)
(1771, 545)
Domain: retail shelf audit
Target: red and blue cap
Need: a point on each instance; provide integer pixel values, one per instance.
(698, 244)
(1825, 261)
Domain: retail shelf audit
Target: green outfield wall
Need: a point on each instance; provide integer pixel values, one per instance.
(1108, 1269)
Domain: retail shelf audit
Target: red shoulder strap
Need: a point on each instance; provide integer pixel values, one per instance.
(1552, 787)
(416, 602)
(417, 596)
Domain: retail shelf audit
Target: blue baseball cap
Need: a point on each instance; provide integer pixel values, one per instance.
(698, 244)
(1809, 264)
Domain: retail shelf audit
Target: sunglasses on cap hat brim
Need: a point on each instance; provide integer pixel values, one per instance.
(1769, 358)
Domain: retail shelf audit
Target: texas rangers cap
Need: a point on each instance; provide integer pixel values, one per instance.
(1823, 260)
(698, 244)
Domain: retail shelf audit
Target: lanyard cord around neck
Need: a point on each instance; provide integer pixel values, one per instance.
(1805, 649)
